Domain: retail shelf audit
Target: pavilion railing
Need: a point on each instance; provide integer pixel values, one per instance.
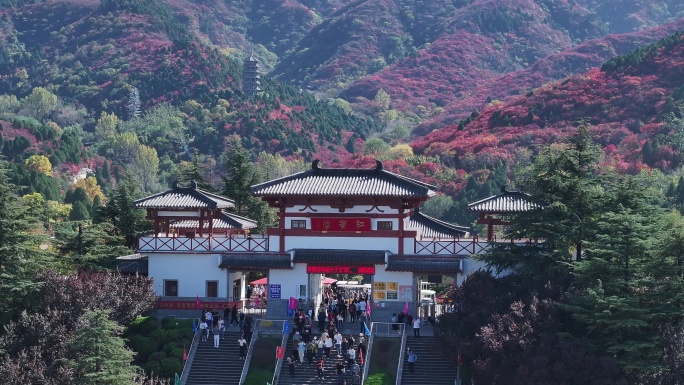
(461, 246)
(202, 244)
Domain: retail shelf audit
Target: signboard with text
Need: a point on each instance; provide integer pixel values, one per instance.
(341, 224)
(275, 291)
(334, 269)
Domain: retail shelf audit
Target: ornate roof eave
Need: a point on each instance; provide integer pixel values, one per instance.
(506, 202)
(184, 198)
(330, 182)
(438, 226)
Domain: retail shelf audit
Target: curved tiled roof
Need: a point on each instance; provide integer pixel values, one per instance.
(506, 202)
(337, 256)
(226, 222)
(345, 182)
(431, 227)
(424, 264)
(184, 198)
(256, 261)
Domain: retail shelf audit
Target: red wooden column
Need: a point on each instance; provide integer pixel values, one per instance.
(401, 231)
(281, 226)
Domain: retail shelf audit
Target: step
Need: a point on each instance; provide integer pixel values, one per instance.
(217, 366)
(430, 362)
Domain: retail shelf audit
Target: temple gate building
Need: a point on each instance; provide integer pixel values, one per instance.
(330, 221)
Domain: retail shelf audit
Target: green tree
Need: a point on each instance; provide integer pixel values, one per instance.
(40, 103)
(128, 221)
(239, 175)
(146, 168)
(106, 126)
(20, 256)
(101, 355)
(375, 147)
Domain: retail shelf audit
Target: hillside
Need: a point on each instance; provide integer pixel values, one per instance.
(573, 61)
(626, 103)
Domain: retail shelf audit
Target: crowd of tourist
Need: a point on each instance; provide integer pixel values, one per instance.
(338, 313)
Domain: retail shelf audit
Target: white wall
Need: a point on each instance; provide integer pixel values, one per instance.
(344, 243)
(289, 280)
(191, 270)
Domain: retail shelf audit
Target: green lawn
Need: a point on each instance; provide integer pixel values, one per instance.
(384, 360)
(263, 361)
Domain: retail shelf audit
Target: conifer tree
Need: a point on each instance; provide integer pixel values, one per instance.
(100, 355)
(20, 258)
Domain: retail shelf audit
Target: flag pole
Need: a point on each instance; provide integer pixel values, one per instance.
(458, 369)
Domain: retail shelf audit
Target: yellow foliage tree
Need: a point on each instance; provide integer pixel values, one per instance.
(400, 151)
(91, 188)
(106, 126)
(39, 163)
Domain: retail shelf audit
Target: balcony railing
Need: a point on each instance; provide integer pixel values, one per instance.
(202, 245)
(461, 246)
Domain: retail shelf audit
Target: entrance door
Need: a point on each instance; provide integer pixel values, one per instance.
(236, 288)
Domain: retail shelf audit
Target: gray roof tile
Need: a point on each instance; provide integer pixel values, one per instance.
(333, 256)
(184, 198)
(226, 222)
(434, 228)
(424, 264)
(256, 261)
(345, 182)
(506, 202)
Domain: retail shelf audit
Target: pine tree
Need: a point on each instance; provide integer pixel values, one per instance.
(20, 256)
(133, 104)
(101, 356)
(128, 221)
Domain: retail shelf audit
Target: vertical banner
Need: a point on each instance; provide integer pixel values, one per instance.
(280, 352)
(293, 303)
(286, 327)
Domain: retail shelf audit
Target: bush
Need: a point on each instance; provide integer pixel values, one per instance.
(379, 379)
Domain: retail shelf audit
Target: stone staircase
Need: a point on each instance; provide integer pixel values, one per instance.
(307, 374)
(429, 363)
(212, 366)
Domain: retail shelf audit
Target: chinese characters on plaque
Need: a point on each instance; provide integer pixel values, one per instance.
(341, 224)
(385, 290)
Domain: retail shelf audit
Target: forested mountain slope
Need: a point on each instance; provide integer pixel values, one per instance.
(629, 102)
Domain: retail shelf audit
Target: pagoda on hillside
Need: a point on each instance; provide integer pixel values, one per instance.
(250, 76)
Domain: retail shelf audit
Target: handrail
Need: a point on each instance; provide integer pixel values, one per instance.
(279, 362)
(250, 350)
(402, 351)
(375, 326)
(369, 351)
(191, 354)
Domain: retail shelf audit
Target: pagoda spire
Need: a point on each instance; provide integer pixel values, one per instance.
(251, 80)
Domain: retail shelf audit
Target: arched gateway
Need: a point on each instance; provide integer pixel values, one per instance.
(356, 222)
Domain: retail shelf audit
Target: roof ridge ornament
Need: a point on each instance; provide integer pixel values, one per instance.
(503, 189)
(316, 164)
(174, 185)
(378, 165)
(193, 185)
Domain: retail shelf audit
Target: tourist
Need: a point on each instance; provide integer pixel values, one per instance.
(320, 365)
(215, 331)
(412, 358)
(321, 347)
(362, 321)
(221, 327)
(338, 343)
(291, 365)
(234, 315)
(351, 357)
(395, 320)
(301, 349)
(321, 320)
(362, 344)
(340, 372)
(328, 346)
(310, 351)
(242, 342)
(416, 327)
(202, 328)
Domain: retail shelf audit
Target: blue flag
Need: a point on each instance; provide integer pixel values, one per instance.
(286, 327)
(194, 327)
(366, 329)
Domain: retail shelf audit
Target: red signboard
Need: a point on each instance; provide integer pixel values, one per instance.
(340, 224)
(332, 269)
